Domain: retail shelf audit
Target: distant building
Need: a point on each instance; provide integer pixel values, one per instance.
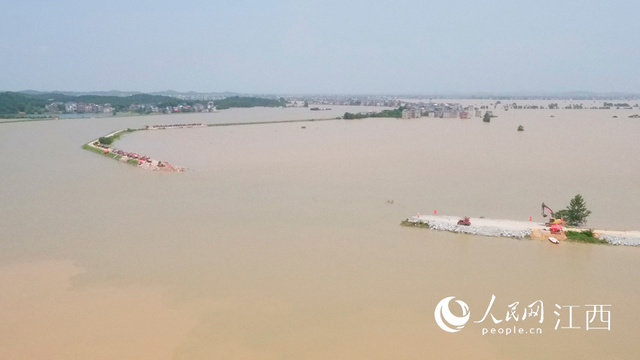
(53, 107)
(411, 113)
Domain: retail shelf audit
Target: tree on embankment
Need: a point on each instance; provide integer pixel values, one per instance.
(106, 140)
(576, 213)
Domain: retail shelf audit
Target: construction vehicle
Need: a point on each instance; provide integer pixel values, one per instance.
(552, 220)
(555, 225)
(465, 221)
(555, 228)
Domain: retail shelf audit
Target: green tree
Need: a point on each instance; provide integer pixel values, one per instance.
(487, 117)
(106, 140)
(576, 213)
(564, 213)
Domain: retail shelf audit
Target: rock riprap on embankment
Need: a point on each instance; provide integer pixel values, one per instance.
(512, 229)
(483, 227)
(621, 240)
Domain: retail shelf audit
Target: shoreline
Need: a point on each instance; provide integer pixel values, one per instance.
(514, 229)
(63, 118)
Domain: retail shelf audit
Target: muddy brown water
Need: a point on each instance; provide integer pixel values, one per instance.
(280, 241)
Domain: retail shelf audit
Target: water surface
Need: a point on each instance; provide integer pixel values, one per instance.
(280, 241)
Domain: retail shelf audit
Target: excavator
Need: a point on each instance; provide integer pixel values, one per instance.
(465, 221)
(554, 224)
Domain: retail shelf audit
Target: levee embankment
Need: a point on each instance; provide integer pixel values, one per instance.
(513, 229)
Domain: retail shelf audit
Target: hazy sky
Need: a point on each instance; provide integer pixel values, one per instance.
(321, 46)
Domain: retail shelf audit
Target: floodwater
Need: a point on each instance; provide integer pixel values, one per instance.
(282, 242)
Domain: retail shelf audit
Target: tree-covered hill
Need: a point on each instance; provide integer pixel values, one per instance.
(14, 103)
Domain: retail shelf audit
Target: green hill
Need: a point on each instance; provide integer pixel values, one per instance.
(14, 103)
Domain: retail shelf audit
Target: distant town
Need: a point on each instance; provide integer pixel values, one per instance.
(71, 107)
(412, 109)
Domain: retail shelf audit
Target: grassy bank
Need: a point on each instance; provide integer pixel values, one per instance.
(585, 236)
(91, 148)
(108, 140)
(119, 134)
(414, 224)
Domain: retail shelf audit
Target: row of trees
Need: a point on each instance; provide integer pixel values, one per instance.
(246, 102)
(12, 103)
(15, 102)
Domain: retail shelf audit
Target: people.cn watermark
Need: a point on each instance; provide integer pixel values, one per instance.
(596, 317)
